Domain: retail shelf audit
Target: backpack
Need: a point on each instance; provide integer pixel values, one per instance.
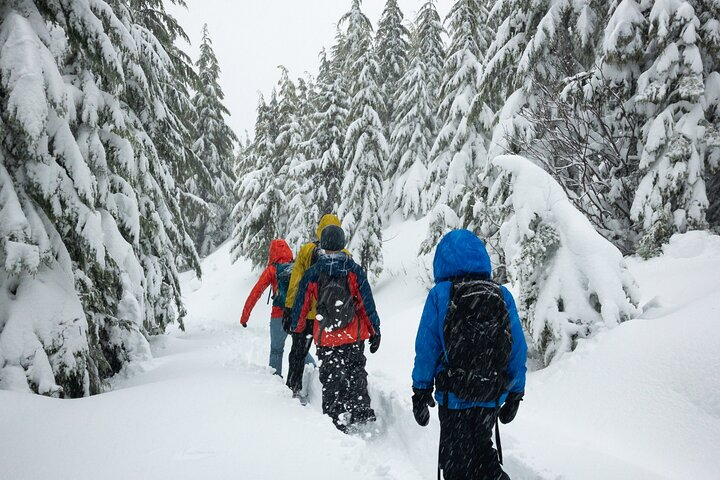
(335, 304)
(283, 272)
(478, 342)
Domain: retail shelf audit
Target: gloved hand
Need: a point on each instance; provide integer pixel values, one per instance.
(374, 343)
(422, 399)
(244, 324)
(510, 407)
(287, 320)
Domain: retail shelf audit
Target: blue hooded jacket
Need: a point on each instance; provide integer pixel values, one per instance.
(460, 253)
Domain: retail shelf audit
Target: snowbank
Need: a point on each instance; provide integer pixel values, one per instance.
(572, 282)
(641, 401)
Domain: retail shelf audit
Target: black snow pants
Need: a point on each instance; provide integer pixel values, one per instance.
(301, 343)
(345, 388)
(466, 447)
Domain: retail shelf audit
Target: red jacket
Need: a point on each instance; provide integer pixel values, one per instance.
(366, 322)
(279, 253)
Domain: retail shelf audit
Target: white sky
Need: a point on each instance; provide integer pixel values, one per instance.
(252, 37)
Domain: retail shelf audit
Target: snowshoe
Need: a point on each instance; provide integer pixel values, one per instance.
(368, 430)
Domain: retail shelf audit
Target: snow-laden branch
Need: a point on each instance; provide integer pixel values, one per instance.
(572, 282)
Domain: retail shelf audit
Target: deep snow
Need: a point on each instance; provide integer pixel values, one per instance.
(641, 401)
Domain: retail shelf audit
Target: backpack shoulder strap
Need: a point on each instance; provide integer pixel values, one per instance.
(315, 253)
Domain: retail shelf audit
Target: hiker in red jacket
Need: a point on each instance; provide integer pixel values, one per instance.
(276, 275)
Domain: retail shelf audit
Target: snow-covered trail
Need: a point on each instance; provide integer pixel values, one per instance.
(640, 402)
(207, 406)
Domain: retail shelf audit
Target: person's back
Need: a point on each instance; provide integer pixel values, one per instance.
(470, 346)
(306, 257)
(276, 275)
(334, 271)
(346, 317)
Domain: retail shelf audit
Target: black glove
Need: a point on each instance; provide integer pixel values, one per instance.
(422, 399)
(374, 343)
(287, 320)
(510, 407)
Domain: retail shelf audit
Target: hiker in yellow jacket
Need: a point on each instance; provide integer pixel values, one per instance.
(301, 341)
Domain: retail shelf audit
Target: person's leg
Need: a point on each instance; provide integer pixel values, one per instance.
(356, 396)
(489, 467)
(450, 443)
(332, 378)
(309, 360)
(466, 448)
(296, 360)
(277, 344)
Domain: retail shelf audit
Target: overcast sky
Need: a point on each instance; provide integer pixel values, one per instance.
(252, 37)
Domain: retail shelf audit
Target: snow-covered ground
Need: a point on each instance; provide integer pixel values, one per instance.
(641, 401)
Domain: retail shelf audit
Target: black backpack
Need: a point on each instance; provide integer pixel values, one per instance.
(335, 303)
(478, 342)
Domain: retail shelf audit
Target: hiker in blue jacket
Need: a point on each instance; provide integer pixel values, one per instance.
(472, 350)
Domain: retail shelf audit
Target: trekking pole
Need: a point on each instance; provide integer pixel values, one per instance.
(497, 433)
(439, 450)
(269, 293)
(439, 474)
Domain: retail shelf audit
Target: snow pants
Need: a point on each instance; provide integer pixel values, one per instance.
(466, 446)
(299, 357)
(345, 388)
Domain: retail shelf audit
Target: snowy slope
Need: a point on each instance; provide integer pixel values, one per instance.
(639, 402)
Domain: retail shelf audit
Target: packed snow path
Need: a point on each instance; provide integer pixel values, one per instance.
(640, 402)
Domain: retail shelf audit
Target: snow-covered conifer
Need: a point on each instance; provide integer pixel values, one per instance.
(708, 11)
(392, 50)
(671, 196)
(458, 156)
(549, 115)
(572, 282)
(209, 226)
(302, 199)
(258, 215)
(329, 135)
(89, 220)
(415, 114)
(365, 148)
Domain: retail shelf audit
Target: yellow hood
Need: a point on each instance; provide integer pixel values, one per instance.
(326, 220)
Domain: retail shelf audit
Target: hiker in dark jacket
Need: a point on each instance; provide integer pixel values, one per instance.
(345, 318)
(277, 276)
(302, 341)
(449, 351)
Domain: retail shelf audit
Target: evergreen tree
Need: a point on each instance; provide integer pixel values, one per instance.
(708, 11)
(258, 215)
(365, 147)
(392, 47)
(415, 121)
(572, 282)
(210, 225)
(89, 220)
(241, 166)
(329, 135)
(302, 200)
(580, 139)
(170, 119)
(671, 196)
(458, 157)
